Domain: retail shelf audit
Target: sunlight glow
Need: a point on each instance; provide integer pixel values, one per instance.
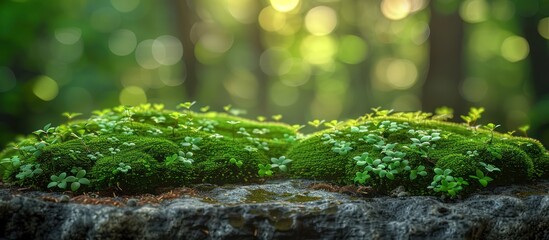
(243, 11)
(132, 96)
(352, 49)
(167, 50)
(514, 48)
(318, 49)
(396, 9)
(543, 27)
(122, 42)
(45, 88)
(321, 20)
(144, 55)
(474, 11)
(271, 20)
(68, 35)
(401, 74)
(284, 5)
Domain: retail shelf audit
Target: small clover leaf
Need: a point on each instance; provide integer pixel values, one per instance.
(264, 170)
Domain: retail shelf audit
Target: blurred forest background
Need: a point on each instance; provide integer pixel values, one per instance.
(313, 59)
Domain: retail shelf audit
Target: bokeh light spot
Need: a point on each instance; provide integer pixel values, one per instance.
(168, 78)
(401, 74)
(144, 55)
(271, 61)
(125, 5)
(216, 41)
(105, 19)
(514, 48)
(474, 89)
(283, 95)
(68, 35)
(396, 9)
(167, 50)
(321, 20)
(298, 73)
(45, 88)
(132, 96)
(242, 84)
(243, 11)
(318, 49)
(352, 49)
(543, 27)
(7, 79)
(271, 20)
(284, 5)
(204, 55)
(122, 42)
(474, 11)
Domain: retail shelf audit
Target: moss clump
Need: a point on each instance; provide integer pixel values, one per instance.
(142, 148)
(410, 150)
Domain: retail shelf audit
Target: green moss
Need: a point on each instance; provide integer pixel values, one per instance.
(461, 165)
(160, 149)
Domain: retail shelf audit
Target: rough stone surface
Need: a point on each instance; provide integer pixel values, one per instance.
(286, 210)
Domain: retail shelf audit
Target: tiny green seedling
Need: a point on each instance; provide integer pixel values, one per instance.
(332, 124)
(205, 109)
(443, 113)
(70, 115)
(316, 123)
(277, 117)
(482, 179)
(186, 105)
(524, 129)
(491, 127)
(264, 170)
(280, 163)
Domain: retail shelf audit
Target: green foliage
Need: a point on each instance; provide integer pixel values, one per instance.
(264, 170)
(280, 163)
(446, 184)
(76, 181)
(28, 171)
(132, 150)
(473, 115)
(482, 179)
(443, 113)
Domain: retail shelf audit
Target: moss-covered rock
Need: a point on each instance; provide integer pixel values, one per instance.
(143, 148)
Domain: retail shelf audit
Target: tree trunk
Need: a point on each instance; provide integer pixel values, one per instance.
(441, 87)
(186, 17)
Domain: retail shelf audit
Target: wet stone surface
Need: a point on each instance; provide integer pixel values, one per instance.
(288, 209)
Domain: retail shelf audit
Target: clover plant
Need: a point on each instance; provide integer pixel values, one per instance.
(445, 183)
(280, 163)
(191, 142)
(76, 181)
(28, 171)
(264, 170)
